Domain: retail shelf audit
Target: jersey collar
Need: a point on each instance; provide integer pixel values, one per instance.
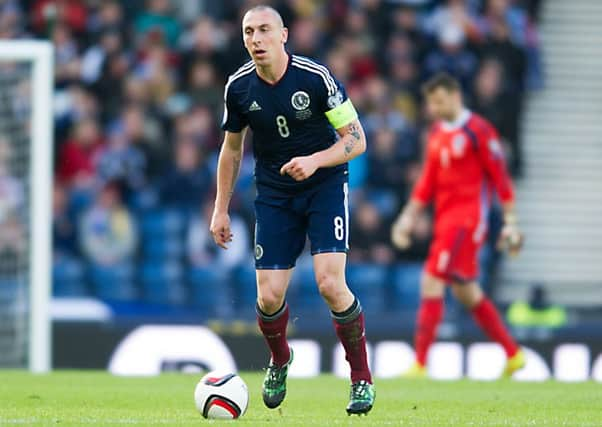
(463, 117)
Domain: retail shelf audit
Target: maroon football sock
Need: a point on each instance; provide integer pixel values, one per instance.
(273, 327)
(350, 328)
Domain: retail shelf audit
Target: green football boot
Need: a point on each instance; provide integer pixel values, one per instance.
(274, 383)
(361, 398)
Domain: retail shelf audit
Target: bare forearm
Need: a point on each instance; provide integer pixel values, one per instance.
(228, 166)
(351, 144)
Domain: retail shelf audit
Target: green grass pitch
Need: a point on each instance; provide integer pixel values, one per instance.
(74, 398)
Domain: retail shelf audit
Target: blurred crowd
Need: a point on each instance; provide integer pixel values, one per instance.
(138, 103)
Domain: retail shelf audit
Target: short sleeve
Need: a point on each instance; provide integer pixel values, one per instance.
(337, 106)
(233, 120)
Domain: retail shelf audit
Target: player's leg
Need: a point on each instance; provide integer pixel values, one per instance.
(328, 229)
(272, 312)
(428, 318)
(431, 308)
(349, 324)
(465, 288)
(489, 320)
(279, 238)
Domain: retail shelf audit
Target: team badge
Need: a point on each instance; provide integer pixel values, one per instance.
(300, 100)
(258, 252)
(458, 145)
(335, 100)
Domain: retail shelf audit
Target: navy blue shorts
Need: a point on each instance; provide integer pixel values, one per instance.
(284, 221)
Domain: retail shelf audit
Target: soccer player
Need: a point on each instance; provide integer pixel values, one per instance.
(293, 105)
(463, 165)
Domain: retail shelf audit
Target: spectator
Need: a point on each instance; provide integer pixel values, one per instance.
(370, 236)
(385, 164)
(491, 102)
(11, 20)
(64, 230)
(121, 161)
(305, 37)
(114, 74)
(107, 230)
(67, 61)
(80, 155)
(405, 21)
(144, 133)
(401, 64)
(156, 70)
(95, 56)
(202, 87)
(48, 13)
(188, 181)
(157, 21)
(206, 42)
(107, 19)
(451, 56)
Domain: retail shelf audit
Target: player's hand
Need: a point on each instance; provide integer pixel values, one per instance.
(220, 229)
(300, 168)
(401, 233)
(511, 239)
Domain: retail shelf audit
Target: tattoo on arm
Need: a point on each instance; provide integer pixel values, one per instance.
(355, 133)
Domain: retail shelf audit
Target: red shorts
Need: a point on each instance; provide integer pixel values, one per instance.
(453, 255)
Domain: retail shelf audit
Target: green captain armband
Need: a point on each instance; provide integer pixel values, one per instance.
(341, 115)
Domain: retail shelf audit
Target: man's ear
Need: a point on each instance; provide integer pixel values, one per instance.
(284, 35)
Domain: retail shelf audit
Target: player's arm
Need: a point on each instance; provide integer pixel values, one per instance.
(492, 158)
(228, 166)
(352, 143)
(422, 195)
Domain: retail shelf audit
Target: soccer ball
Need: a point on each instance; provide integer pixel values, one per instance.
(222, 396)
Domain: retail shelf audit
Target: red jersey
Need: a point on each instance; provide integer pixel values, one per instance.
(464, 163)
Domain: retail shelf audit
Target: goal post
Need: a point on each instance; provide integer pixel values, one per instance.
(37, 258)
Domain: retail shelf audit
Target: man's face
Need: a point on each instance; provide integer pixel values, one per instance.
(263, 36)
(443, 104)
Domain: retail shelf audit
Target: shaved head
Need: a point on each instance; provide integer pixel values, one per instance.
(264, 36)
(268, 9)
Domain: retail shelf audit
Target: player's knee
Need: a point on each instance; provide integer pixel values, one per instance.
(269, 297)
(431, 287)
(330, 286)
(270, 302)
(469, 294)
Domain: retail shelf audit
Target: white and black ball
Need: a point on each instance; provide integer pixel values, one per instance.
(222, 396)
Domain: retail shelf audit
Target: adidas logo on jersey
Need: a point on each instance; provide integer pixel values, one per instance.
(254, 106)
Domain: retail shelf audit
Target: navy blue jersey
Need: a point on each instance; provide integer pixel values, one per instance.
(287, 118)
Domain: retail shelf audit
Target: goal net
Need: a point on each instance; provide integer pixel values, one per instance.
(25, 208)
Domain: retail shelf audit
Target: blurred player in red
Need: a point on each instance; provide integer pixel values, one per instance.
(464, 165)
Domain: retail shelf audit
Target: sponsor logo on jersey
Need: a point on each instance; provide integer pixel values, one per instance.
(254, 106)
(300, 100)
(335, 100)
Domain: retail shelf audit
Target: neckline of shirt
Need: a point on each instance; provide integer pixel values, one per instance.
(460, 121)
(288, 64)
